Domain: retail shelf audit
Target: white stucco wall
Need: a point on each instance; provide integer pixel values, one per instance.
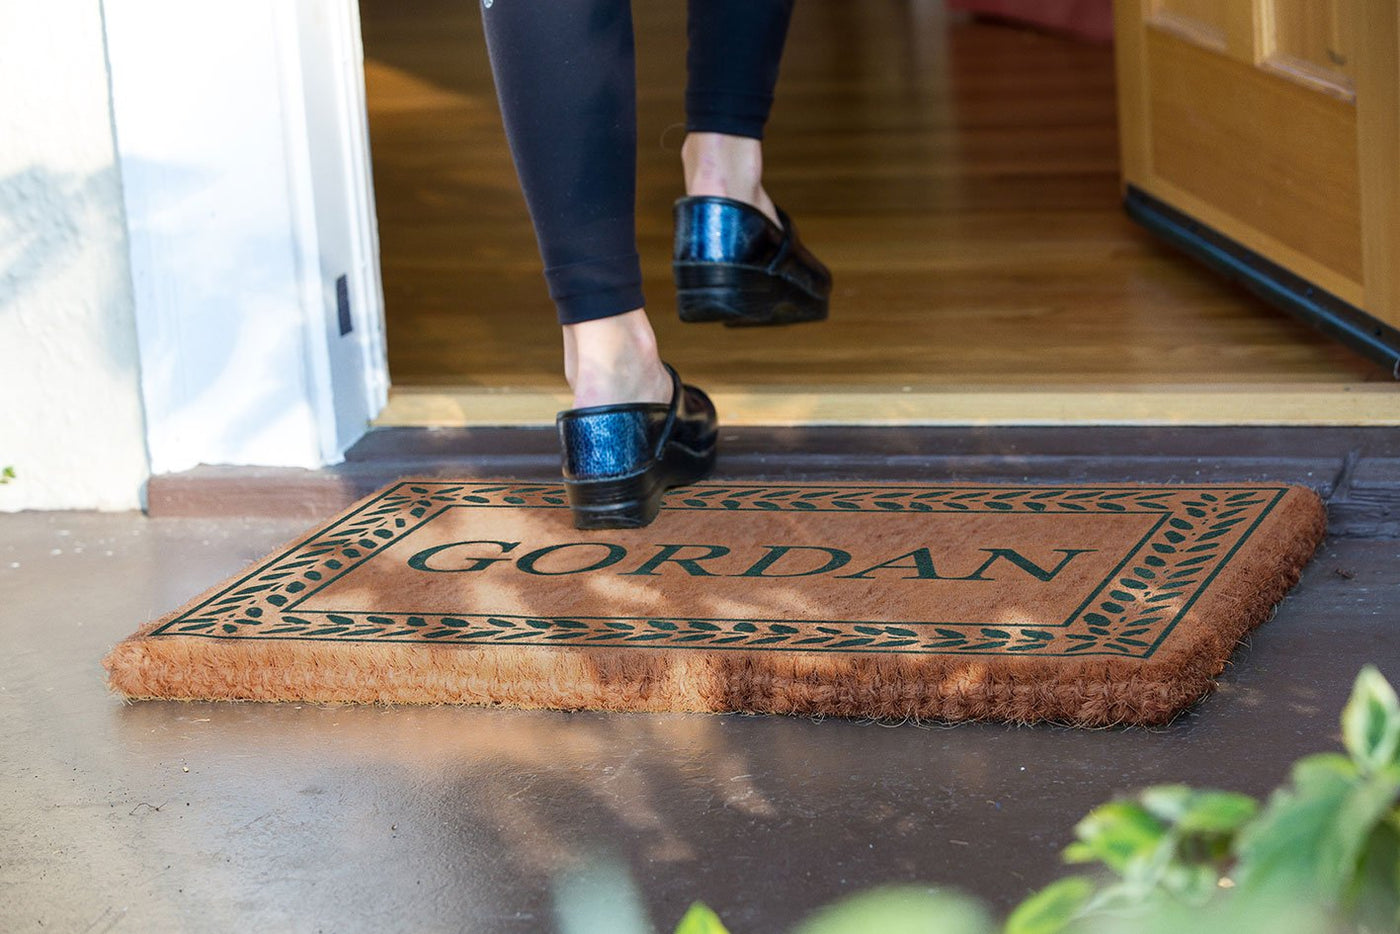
(69, 378)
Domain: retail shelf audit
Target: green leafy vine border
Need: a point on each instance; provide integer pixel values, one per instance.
(1131, 613)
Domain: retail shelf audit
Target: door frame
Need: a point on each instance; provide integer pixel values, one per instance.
(243, 142)
(242, 134)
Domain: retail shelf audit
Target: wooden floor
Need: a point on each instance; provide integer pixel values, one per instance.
(961, 180)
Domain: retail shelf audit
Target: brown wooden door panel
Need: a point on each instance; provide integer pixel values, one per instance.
(1269, 153)
(1276, 124)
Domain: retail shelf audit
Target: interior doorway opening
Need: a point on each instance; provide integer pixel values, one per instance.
(960, 177)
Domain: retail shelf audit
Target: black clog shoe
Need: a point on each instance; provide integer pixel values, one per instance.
(733, 264)
(619, 459)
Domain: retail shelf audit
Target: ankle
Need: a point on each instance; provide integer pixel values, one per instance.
(726, 166)
(715, 160)
(615, 360)
(614, 384)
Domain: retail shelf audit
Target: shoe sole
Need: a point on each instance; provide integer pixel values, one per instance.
(633, 501)
(742, 296)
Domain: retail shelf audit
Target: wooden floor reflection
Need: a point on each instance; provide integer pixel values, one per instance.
(959, 177)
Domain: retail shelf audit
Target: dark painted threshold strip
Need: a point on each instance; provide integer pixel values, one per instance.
(1357, 470)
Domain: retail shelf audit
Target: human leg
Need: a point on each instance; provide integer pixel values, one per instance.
(565, 77)
(737, 256)
(732, 68)
(732, 64)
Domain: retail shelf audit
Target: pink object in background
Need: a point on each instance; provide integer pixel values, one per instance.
(1087, 19)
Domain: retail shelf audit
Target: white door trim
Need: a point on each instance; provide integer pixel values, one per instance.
(243, 145)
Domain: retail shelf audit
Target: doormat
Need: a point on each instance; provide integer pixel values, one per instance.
(1090, 605)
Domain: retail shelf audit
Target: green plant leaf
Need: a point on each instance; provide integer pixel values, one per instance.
(1238, 914)
(1191, 883)
(1199, 812)
(1122, 901)
(1167, 802)
(1149, 869)
(1310, 837)
(900, 910)
(1321, 770)
(1051, 909)
(1079, 853)
(1218, 812)
(1371, 722)
(1116, 834)
(1280, 850)
(1375, 897)
(1362, 818)
(700, 919)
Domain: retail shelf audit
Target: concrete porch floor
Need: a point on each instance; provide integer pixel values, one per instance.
(161, 817)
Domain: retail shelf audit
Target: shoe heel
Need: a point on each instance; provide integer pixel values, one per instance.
(687, 466)
(615, 502)
(633, 502)
(741, 296)
(719, 292)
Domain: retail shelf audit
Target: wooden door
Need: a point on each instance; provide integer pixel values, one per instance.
(1263, 136)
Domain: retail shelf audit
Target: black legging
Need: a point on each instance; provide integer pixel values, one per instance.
(566, 78)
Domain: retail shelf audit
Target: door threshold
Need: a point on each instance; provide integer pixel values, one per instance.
(1357, 470)
(1301, 404)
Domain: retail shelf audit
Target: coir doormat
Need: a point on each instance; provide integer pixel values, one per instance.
(1090, 605)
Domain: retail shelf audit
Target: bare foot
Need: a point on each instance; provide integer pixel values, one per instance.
(727, 166)
(615, 360)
